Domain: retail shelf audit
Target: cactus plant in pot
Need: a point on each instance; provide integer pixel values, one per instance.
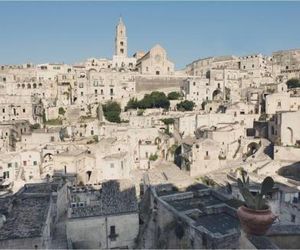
(255, 216)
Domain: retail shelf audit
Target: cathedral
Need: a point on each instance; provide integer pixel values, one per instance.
(153, 62)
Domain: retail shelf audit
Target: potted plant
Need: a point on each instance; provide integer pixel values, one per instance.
(255, 216)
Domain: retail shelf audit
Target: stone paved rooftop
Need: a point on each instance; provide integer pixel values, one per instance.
(40, 188)
(221, 223)
(195, 202)
(26, 217)
(116, 197)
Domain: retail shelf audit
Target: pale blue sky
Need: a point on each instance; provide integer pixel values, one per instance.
(70, 32)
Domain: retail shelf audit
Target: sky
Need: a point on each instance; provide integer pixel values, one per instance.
(71, 32)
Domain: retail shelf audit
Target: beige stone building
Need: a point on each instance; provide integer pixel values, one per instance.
(103, 218)
(155, 62)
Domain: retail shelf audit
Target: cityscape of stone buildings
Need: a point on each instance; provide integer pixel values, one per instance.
(156, 177)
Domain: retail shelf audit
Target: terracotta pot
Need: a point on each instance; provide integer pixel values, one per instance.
(255, 222)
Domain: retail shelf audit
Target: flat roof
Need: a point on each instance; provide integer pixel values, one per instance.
(222, 223)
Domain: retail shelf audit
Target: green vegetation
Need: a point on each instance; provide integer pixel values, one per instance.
(53, 122)
(293, 83)
(185, 105)
(61, 111)
(174, 95)
(207, 181)
(154, 100)
(133, 103)
(153, 157)
(173, 148)
(168, 121)
(263, 117)
(112, 111)
(257, 202)
(96, 139)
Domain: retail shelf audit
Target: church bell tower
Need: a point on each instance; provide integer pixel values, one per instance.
(121, 39)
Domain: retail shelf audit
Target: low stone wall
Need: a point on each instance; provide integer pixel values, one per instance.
(152, 83)
(291, 154)
(285, 236)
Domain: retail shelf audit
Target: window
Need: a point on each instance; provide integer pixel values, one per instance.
(3, 110)
(293, 218)
(157, 72)
(6, 175)
(111, 91)
(34, 163)
(101, 91)
(81, 93)
(9, 165)
(24, 163)
(96, 91)
(112, 234)
(122, 51)
(24, 110)
(52, 138)
(272, 130)
(121, 43)
(279, 104)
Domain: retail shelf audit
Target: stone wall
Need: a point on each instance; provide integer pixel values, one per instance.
(93, 232)
(153, 83)
(291, 154)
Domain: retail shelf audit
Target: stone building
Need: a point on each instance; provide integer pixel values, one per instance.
(193, 218)
(280, 102)
(30, 216)
(284, 128)
(286, 61)
(202, 67)
(155, 62)
(103, 218)
(120, 60)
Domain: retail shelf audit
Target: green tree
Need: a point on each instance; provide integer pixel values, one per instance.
(293, 83)
(112, 111)
(185, 105)
(132, 104)
(153, 157)
(61, 111)
(168, 121)
(154, 100)
(174, 95)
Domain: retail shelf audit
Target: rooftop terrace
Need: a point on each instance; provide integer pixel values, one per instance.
(26, 218)
(115, 197)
